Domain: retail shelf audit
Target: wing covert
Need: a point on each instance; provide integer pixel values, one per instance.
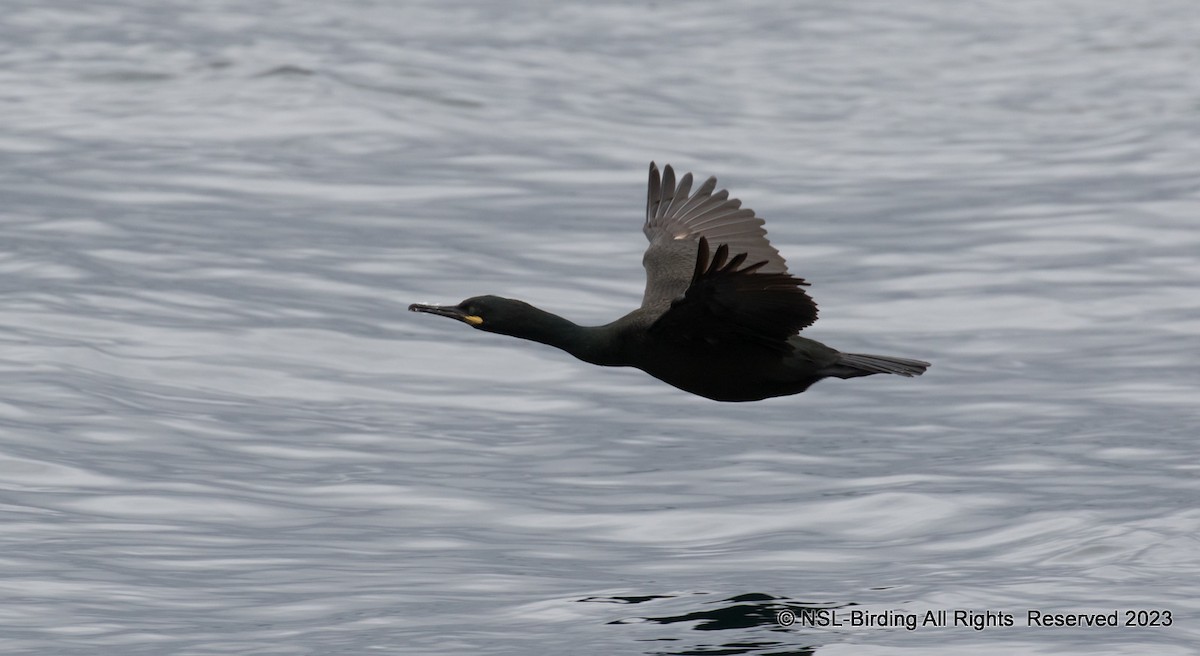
(727, 302)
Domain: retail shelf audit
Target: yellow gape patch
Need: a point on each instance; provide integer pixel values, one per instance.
(473, 319)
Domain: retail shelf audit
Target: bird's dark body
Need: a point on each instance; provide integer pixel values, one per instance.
(718, 321)
(721, 372)
(738, 374)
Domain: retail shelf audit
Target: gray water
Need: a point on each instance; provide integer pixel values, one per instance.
(221, 432)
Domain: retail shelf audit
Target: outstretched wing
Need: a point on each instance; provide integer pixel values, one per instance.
(728, 303)
(676, 219)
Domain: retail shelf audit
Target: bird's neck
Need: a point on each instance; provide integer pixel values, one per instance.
(591, 344)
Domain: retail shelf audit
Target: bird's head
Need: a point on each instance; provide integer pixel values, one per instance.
(491, 313)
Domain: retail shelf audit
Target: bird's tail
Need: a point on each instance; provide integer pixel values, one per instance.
(853, 365)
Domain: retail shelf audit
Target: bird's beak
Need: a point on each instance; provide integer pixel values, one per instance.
(453, 312)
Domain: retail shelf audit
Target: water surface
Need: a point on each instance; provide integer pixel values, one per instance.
(222, 433)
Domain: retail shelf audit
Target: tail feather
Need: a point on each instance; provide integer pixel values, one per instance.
(852, 365)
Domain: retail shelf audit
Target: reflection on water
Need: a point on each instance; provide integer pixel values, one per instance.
(744, 611)
(221, 430)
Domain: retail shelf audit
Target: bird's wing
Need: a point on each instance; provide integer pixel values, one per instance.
(728, 303)
(676, 219)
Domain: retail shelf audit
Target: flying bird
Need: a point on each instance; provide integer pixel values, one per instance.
(720, 316)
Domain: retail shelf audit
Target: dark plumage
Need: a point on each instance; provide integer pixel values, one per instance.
(720, 314)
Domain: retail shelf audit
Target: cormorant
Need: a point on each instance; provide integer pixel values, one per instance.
(720, 314)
